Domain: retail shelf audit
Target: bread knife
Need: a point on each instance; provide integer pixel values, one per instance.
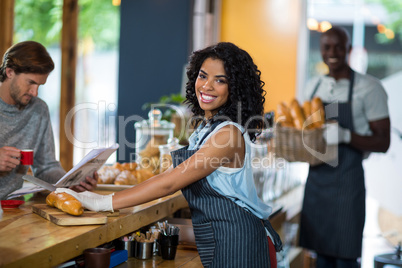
(39, 182)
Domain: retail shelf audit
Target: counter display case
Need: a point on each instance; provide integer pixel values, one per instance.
(274, 176)
(280, 184)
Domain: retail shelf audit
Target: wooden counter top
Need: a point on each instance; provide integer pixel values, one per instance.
(185, 258)
(189, 258)
(28, 240)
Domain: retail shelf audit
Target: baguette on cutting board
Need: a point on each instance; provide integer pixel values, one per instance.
(65, 202)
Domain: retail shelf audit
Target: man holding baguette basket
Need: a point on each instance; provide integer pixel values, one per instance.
(333, 212)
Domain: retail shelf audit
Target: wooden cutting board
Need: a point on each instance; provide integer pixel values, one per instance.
(59, 217)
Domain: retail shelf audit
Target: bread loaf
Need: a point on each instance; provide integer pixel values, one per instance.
(307, 113)
(143, 174)
(126, 173)
(129, 166)
(72, 207)
(125, 166)
(65, 202)
(297, 114)
(51, 199)
(307, 109)
(107, 174)
(317, 112)
(283, 115)
(126, 177)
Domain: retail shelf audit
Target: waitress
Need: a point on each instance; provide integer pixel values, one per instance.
(333, 212)
(214, 172)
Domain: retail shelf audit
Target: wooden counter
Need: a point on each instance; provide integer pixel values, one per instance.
(28, 240)
(185, 258)
(189, 258)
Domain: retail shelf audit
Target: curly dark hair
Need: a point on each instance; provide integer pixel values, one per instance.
(245, 105)
(26, 57)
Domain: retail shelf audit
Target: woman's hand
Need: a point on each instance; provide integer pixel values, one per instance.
(90, 200)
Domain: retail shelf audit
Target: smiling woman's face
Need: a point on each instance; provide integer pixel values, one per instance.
(211, 86)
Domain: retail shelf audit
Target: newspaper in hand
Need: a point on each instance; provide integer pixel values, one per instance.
(93, 161)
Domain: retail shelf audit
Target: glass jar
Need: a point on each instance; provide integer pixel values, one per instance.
(164, 150)
(149, 134)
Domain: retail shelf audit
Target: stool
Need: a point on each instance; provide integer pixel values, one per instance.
(393, 259)
(381, 260)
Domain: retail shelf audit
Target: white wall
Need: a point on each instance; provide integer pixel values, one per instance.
(384, 171)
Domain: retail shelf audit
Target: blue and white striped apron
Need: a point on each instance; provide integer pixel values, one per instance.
(333, 212)
(226, 234)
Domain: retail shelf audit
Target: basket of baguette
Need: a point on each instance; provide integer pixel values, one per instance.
(299, 133)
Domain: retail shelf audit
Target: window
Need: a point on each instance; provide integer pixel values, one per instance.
(376, 49)
(97, 62)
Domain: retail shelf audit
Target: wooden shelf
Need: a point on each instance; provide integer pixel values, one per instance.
(296, 257)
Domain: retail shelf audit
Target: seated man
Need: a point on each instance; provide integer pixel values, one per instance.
(25, 121)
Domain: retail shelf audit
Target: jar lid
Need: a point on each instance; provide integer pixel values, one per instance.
(154, 122)
(172, 144)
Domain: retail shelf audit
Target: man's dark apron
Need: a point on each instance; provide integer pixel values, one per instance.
(333, 213)
(226, 234)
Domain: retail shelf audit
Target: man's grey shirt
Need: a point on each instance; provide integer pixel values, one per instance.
(29, 128)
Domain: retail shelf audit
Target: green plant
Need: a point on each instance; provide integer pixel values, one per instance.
(394, 21)
(98, 20)
(172, 99)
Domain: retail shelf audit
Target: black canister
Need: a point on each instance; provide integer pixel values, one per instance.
(168, 246)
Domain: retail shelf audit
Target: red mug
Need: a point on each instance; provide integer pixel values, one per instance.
(27, 157)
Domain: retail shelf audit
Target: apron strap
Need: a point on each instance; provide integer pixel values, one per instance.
(351, 84)
(211, 128)
(350, 99)
(315, 89)
(276, 238)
